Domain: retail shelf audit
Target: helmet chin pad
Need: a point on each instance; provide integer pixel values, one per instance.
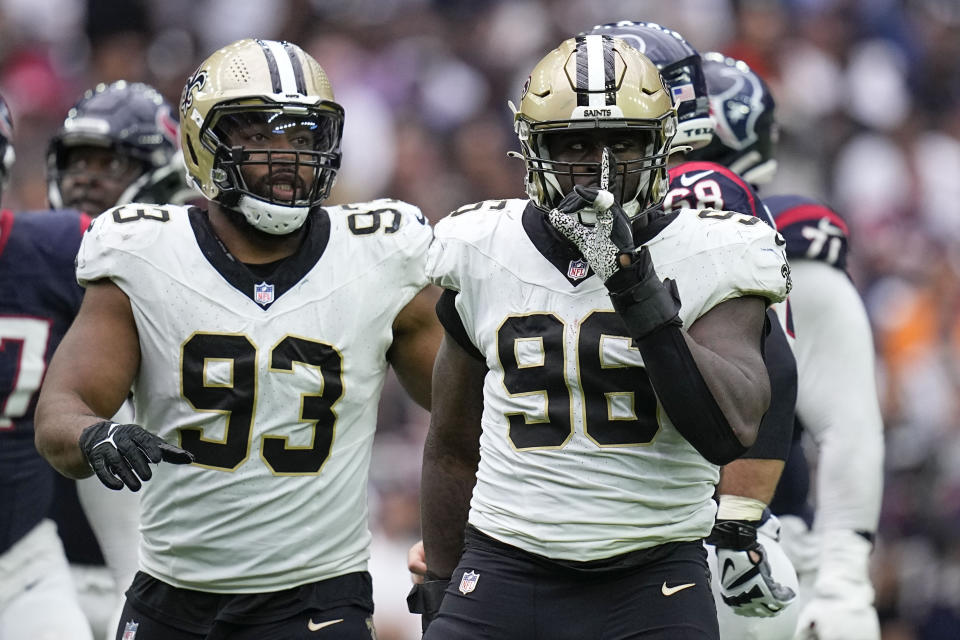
(270, 218)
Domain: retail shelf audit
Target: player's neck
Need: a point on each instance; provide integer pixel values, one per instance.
(247, 244)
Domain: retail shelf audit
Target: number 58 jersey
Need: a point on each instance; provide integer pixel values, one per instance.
(578, 460)
(271, 380)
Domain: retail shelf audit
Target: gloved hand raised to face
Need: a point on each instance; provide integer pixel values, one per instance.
(119, 453)
(643, 301)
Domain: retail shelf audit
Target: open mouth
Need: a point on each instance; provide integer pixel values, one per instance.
(283, 188)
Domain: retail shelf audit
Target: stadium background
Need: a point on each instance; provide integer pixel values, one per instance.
(868, 97)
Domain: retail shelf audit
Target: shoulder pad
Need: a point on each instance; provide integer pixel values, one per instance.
(486, 207)
(385, 215)
(479, 219)
(707, 185)
(812, 230)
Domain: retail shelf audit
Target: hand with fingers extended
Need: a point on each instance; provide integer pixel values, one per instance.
(120, 453)
(645, 302)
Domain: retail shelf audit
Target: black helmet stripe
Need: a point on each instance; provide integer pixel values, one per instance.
(596, 71)
(272, 65)
(583, 84)
(297, 68)
(609, 71)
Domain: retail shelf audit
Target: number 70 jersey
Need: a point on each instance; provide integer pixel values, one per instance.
(271, 382)
(578, 460)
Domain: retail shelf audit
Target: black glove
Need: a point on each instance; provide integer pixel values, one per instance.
(643, 301)
(123, 451)
(426, 598)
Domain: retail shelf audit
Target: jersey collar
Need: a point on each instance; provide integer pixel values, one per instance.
(263, 290)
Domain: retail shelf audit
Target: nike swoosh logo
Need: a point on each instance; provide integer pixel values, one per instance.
(669, 591)
(316, 626)
(688, 179)
(727, 564)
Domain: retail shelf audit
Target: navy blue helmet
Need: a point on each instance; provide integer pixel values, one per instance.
(743, 107)
(6, 145)
(130, 119)
(679, 64)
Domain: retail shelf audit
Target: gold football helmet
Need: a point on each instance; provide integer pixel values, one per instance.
(596, 83)
(272, 88)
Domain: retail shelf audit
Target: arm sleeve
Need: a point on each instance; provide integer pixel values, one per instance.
(837, 396)
(776, 428)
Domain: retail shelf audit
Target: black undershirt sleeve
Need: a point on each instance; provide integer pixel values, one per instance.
(453, 324)
(685, 397)
(776, 429)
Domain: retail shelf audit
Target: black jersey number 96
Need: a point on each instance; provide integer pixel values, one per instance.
(620, 408)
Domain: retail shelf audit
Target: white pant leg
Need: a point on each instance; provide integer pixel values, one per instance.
(114, 517)
(37, 596)
(97, 594)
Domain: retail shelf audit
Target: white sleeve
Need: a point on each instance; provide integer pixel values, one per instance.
(837, 395)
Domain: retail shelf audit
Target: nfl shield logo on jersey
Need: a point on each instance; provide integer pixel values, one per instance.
(263, 293)
(468, 582)
(577, 269)
(130, 630)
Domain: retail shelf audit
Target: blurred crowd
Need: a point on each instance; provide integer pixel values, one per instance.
(868, 100)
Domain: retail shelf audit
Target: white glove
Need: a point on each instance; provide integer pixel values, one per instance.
(756, 578)
(841, 607)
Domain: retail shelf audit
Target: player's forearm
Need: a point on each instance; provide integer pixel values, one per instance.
(60, 419)
(751, 478)
(446, 487)
(713, 403)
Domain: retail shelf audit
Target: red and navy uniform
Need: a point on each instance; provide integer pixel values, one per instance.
(812, 230)
(39, 297)
(708, 185)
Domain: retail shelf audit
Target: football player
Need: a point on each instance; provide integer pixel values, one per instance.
(37, 595)
(745, 540)
(117, 144)
(837, 400)
(256, 336)
(604, 358)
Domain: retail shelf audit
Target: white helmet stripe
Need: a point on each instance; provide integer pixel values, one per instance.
(596, 71)
(288, 79)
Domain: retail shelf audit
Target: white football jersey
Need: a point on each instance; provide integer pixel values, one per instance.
(273, 383)
(578, 460)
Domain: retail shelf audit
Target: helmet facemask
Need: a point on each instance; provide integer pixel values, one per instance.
(640, 178)
(273, 162)
(598, 92)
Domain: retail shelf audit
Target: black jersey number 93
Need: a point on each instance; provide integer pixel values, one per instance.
(619, 405)
(237, 399)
